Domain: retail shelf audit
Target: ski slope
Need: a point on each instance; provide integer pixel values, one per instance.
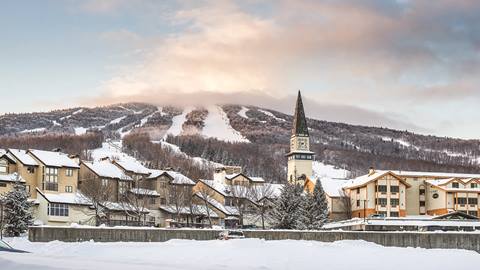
(217, 125)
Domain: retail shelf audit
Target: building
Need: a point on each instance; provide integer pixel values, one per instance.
(408, 193)
(300, 157)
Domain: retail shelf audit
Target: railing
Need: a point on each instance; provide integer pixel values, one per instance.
(50, 186)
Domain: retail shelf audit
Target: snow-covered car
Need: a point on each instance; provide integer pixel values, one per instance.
(231, 234)
(376, 216)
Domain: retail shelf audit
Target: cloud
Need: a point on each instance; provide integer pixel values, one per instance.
(353, 55)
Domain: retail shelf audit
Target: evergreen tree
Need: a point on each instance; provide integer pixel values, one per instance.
(287, 211)
(315, 210)
(17, 211)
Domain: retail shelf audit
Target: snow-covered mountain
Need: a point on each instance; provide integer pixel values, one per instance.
(346, 146)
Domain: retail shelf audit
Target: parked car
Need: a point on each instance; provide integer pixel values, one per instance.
(376, 216)
(231, 234)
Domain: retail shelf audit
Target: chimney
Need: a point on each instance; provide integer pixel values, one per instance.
(371, 171)
(219, 175)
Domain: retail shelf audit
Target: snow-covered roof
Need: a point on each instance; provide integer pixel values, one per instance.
(197, 210)
(439, 182)
(364, 179)
(219, 187)
(123, 206)
(333, 187)
(13, 177)
(23, 157)
(253, 179)
(433, 174)
(428, 221)
(133, 165)
(216, 204)
(54, 159)
(179, 179)
(106, 169)
(66, 198)
(144, 192)
(155, 173)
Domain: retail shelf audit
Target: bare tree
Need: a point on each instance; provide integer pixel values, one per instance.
(134, 202)
(241, 196)
(264, 196)
(206, 194)
(345, 204)
(179, 195)
(97, 192)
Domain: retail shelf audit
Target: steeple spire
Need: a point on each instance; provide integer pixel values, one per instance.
(300, 127)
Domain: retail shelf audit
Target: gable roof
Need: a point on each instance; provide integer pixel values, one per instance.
(76, 198)
(365, 179)
(133, 166)
(252, 179)
(106, 169)
(433, 174)
(23, 157)
(53, 159)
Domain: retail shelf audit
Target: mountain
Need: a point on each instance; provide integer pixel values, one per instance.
(228, 134)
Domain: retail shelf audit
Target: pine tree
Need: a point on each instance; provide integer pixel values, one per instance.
(17, 211)
(287, 211)
(315, 210)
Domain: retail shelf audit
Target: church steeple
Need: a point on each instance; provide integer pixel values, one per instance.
(300, 127)
(300, 157)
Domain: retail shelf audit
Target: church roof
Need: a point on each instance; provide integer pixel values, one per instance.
(299, 121)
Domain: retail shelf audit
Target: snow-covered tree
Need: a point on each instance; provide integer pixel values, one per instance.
(17, 211)
(287, 211)
(315, 208)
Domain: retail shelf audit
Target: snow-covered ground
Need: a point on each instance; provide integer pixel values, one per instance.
(232, 255)
(218, 125)
(323, 170)
(177, 121)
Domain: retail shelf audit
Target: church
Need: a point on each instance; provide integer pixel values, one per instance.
(300, 158)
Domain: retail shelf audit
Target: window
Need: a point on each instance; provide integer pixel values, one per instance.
(229, 202)
(394, 202)
(382, 188)
(472, 200)
(422, 191)
(163, 201)
(422, 203)
(3, 184)
(3, 166)
(104, 182)
(358, 191)
(394, 189)
(164, 184)
(69, 172)
(460, 200)
(122, 187)
(382, 201)
(31, 169)
(153, 201)
(455, 185)
(473, 185)
(27, 188)
(69, 189)
(394, 214)
(51, 175)
(358, 203)
(58, 209)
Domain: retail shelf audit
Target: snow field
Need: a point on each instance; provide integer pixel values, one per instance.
(232, 255)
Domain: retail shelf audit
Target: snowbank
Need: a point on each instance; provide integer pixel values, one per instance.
(232, 255)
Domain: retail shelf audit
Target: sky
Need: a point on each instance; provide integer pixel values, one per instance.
(403, 64)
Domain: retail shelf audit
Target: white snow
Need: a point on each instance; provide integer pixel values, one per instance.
(177, 121)
(145, 119)
(217, 125)
(267, 113)
(232, 255)
(322, 170)
(106, 169)
(54, 159)
(67, 198)
(35, 130)
(23, 157)
(68, 116)
(80, 130)
(243, 112)
(118, 120)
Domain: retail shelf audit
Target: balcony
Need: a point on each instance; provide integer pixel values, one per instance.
(50, 186)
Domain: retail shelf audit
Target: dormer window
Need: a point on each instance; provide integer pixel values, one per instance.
(455, 185)
(3, 166)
